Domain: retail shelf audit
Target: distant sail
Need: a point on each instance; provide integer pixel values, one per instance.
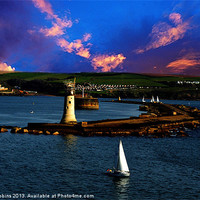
(158, 100)
(83, 95)
(122, 163)
(143, 99)
(152, 99)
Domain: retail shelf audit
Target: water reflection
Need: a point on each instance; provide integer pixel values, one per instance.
(121, 186)
(70, 141)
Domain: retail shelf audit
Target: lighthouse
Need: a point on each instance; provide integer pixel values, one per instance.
(69, 104)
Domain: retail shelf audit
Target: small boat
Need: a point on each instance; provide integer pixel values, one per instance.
(152, 99)
(122, 169)
(31, 112)
(143, 99)
(158, 100)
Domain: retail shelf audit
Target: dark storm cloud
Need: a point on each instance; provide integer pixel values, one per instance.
(12, 26)
(69, 63)
(18, 40)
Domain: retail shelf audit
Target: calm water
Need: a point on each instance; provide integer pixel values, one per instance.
(167, 168)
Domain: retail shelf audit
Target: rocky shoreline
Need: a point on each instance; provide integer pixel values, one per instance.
(160, 130)
(24, 130)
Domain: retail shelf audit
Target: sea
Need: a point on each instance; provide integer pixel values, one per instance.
(72, 167)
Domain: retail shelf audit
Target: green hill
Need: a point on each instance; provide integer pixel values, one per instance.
(145, 85)
(99, 78)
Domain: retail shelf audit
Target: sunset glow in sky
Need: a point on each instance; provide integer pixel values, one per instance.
(151, 36)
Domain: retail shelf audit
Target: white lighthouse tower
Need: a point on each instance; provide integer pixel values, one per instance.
(69, 104)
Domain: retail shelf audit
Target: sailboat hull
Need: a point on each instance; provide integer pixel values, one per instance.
(116, 173)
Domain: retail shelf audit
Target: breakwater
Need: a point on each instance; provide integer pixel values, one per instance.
(158, 120)
(151, 127)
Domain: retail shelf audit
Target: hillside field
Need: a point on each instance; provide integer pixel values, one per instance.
(165, 86)
(100, 78)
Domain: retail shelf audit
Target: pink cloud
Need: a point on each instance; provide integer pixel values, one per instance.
(164, 34)
(5, 67)
(106, 63)
(44, 6)
(65, 45)
(56, 29)
(186, 62)
(86, 37)
(75, 46)
(58, 26)
(80, 49)
(175, 18)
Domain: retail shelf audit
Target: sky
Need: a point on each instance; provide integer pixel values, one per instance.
(67, 36)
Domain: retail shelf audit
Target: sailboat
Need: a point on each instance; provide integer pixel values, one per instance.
(158, 100)
(121, 169)
(152, 99)
(143, 99)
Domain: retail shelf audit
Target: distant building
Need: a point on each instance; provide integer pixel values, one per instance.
(188, 82)
(3, 88)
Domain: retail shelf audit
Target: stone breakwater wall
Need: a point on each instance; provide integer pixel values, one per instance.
(161, 120)
(25, 130)
(154, 127)
(166, 127)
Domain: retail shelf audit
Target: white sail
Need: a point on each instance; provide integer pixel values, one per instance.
(83, 95)
(143, 99)
(158, 99)
(122, 163)
(152, 100)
